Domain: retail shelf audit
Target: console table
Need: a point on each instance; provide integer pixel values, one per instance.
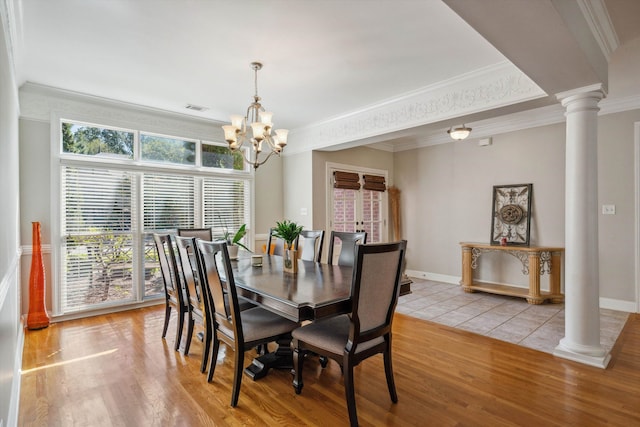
(535, 262)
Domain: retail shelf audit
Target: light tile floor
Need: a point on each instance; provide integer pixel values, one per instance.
(505, 318)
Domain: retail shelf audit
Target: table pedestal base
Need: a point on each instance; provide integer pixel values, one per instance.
(281, 358)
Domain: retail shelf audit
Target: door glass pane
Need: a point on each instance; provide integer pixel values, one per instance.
(97, 250)
(372, 215)
(344, 209)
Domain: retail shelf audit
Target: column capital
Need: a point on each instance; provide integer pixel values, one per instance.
(595, 92)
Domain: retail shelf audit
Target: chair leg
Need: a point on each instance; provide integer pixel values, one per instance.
(298, 361)
(179, 329)
(205, 350)
(213, 359)
(237, 375)
(323, 361)
(167, 314)
(350, 394)
(190, 327)
(388, 369)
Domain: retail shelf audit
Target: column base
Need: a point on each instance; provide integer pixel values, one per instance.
(589, 355)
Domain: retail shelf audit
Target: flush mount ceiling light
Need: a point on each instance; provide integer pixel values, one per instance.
(459, 133)
(259, 121)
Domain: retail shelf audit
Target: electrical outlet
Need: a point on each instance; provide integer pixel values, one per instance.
(608, 209)
(303, 211)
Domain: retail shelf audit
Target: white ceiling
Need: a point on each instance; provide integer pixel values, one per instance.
(322, 59)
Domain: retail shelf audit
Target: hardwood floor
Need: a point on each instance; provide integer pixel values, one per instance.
(115, 370)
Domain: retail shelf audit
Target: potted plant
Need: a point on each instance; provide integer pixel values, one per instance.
(289, 232)
(233, 242)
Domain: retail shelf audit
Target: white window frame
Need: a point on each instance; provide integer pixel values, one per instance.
(136, 165)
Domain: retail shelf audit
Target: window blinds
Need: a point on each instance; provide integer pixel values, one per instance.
(169, 201)
(97, 225)
(226, 204)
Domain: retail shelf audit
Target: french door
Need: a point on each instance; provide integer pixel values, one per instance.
(354, 208)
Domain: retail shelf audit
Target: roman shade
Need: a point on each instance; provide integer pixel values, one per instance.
(374, 183)
(346, 180)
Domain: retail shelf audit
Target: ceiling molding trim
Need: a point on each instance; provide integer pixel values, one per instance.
(599, 22)
(11, 17)
(38, 102)
(538, 117)
(488, 88)
(618, 105)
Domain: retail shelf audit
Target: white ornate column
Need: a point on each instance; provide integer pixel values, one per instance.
(582, 294)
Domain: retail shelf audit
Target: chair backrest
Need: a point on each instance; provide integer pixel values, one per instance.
(224, 298)
(348, 246)
(166, 256)
(201, 233)
(275, 245)
(375, 289)
(312, 245)
(187, 264)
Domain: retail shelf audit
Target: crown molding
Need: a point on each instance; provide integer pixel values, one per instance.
(599, 22)
(538, 117)
(40, 102)
(11, 23)
(491, 87)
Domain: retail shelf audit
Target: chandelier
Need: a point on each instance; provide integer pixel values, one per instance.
(260, 121)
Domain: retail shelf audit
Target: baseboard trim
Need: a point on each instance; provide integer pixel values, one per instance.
(608, 303)
(618, 305)
(433, 276)
(14, 404)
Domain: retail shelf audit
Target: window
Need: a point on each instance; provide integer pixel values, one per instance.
(157, 148)
(218, 156)
(90, 140)
(112, 201)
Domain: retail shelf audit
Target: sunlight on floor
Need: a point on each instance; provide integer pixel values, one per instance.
(68, 362)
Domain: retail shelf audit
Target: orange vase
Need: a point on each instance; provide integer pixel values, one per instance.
(37, 317)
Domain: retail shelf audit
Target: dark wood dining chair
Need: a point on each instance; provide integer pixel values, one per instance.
(275, 245)
(200, 233)
(348, 241)
(351, 338)
(196, 296)
(312, 245)
(175, 295)
(241, 331)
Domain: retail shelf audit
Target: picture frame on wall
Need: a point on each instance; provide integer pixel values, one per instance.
(511, 215)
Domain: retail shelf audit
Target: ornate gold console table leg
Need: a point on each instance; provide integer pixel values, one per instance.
(467, 270)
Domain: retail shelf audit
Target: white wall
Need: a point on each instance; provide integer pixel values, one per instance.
(447, 198)
(10, 325)
(299, 183)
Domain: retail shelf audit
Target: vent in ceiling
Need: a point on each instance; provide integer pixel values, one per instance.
(195, 107)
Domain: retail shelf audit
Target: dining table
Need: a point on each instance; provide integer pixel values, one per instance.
(316, 291)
